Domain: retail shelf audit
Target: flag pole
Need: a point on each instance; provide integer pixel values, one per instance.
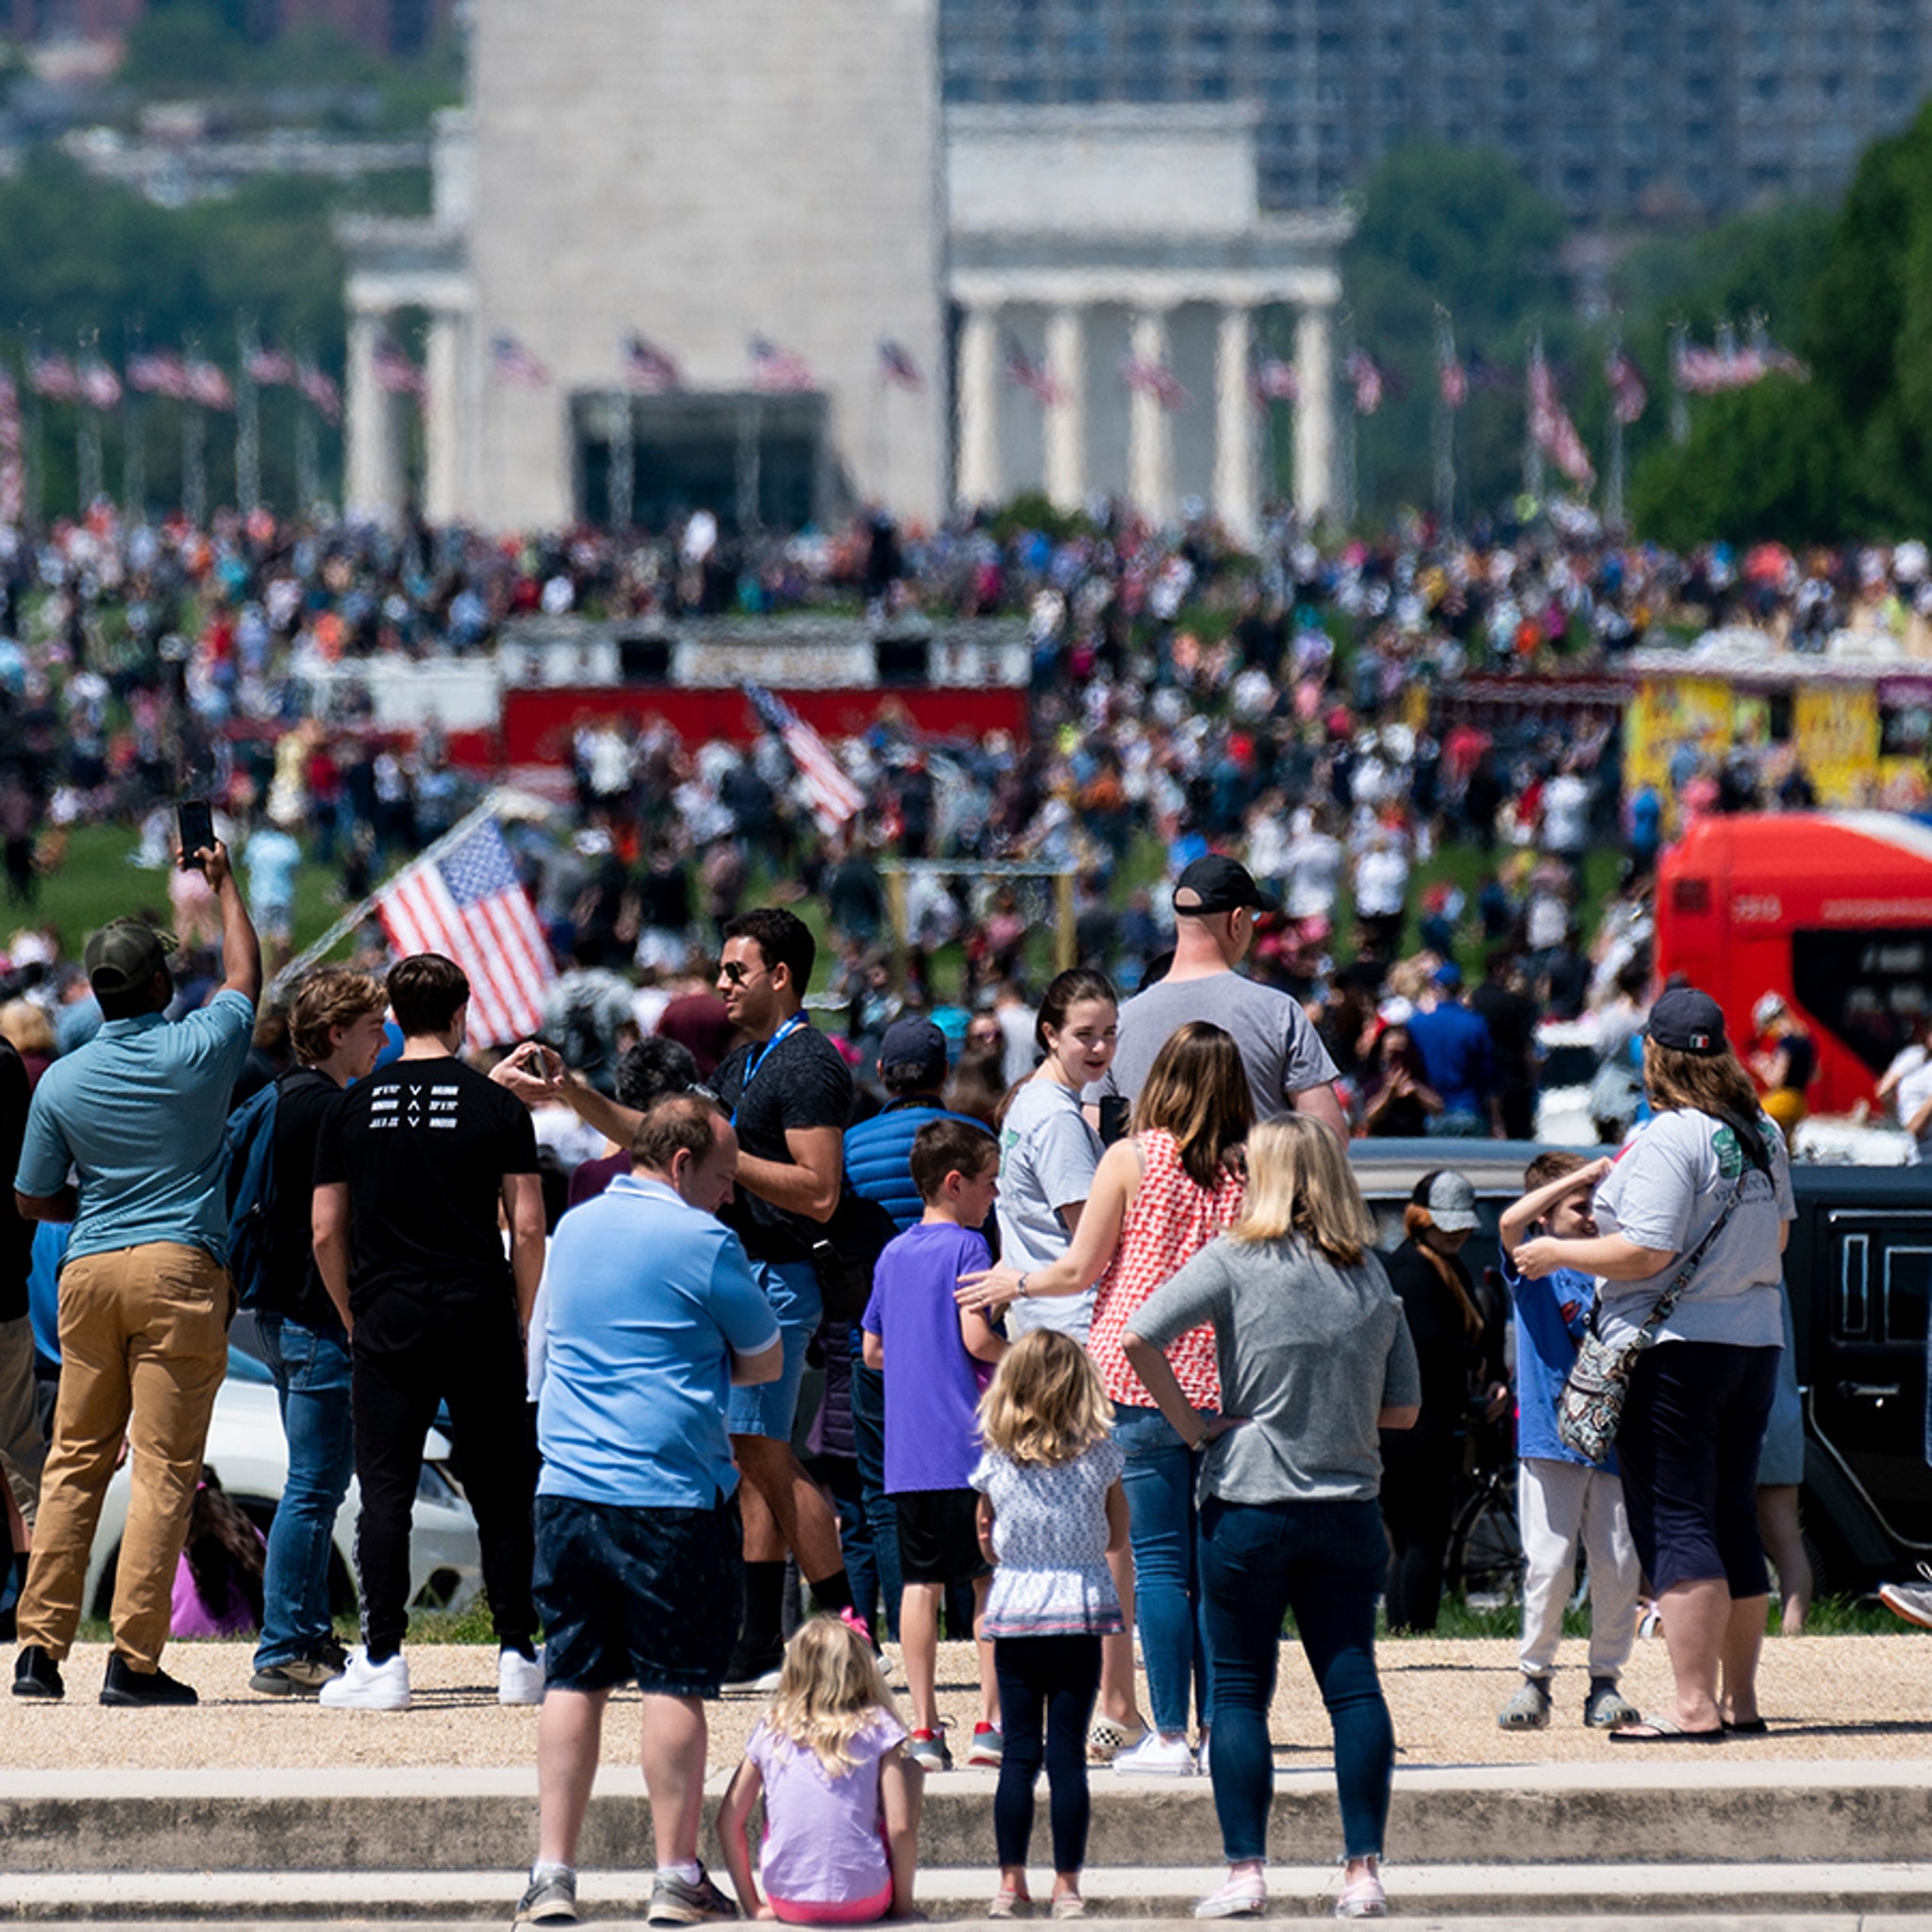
(347, 924)
(1613, 486)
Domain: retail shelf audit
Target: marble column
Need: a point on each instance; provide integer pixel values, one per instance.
(980, 480)
(1314, 414)
(1236, 501)
(442, 417)
(376, 483)
(1150, 430)
(1066, 419)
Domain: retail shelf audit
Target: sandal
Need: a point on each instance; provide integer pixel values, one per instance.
(1666, 1731)
(1245, 1897)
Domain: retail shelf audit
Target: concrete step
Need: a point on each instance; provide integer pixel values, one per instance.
(1658, 1809)
(1825, 1897)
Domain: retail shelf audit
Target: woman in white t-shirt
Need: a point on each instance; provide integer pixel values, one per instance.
(1698, 1401)
(1048, 1154)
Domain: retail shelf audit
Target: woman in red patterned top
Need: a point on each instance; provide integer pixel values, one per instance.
(1157, 1199)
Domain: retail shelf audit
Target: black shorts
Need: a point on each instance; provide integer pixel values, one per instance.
(939, 1536)
(650, 1596)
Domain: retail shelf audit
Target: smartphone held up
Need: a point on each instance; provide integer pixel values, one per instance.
(194, 820)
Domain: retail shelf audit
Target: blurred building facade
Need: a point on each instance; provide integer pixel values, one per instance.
(1615, 108)
(845, 294)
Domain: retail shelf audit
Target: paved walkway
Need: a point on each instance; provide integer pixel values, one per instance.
(1846, 1700)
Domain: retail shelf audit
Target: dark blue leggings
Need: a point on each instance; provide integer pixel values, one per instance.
(1047, 1688)
(1324, 1561)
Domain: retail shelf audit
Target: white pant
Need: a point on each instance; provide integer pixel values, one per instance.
(1558, 1504)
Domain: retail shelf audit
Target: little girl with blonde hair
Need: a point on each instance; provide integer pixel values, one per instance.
(841, 1797)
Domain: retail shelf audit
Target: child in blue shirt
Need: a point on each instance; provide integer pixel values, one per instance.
(1563, 1499)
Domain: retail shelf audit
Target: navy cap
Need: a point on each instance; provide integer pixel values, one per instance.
(914, 1042)
(1688, 1020)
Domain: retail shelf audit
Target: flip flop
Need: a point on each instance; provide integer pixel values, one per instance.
(1664, 1730)
(1749, 1727)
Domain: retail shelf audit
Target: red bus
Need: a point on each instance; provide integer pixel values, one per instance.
(1832, 910)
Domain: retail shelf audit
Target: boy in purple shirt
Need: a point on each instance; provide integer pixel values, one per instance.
(935, 1356)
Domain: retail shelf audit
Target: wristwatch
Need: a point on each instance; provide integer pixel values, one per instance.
(1020, 1286)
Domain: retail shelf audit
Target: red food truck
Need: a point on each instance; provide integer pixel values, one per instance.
(1832, 910)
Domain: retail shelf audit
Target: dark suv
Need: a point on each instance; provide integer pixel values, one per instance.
(1859, 1271)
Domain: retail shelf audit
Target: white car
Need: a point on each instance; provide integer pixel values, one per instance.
(248, 1451)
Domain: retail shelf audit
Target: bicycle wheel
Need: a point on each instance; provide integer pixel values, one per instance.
(1486, 1549)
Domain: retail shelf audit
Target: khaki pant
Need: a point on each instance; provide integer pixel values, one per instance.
(143, 1346)
(23, 1448)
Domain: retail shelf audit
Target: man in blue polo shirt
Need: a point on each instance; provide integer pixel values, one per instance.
(1458, 1060)
(138, 1116)
(653, 1318)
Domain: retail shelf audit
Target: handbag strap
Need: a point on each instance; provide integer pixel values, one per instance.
(1681, 1280)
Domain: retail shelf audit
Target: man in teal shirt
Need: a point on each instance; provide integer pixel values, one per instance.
(136, 1115)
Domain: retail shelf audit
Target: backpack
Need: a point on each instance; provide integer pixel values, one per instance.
(847, 1251)
(248, 1153)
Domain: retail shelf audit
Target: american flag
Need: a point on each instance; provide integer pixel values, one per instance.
(1705, 372)
(321, 392)
(1451, 378)
(1550, 424)
(266, 367)
(1498, 379)
(1627, 393)
(209, 387)
(1155, 379)
(158, 372)
(1023, 372)
(1275, 380)
(650, 369)
(1365, 378)
(393, 370)
(515, 364)
(778, 371)
(468, 904)
(898, 365)
(100, 388)
(835, 799)
(53, 376)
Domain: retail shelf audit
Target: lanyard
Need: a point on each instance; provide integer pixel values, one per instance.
(791, 1026)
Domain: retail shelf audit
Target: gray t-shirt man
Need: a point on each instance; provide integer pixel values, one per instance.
(1279, 1047)
(1309, 1352)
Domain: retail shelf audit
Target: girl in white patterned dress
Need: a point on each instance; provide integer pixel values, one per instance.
(1051, 1507)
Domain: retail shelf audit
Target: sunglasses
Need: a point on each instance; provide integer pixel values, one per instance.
(737, 972)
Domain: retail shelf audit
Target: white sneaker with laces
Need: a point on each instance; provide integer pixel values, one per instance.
(1911, 1601)
(519, 1678)
(365, 1685)
(1158, 1756)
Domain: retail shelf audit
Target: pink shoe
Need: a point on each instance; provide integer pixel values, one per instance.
(1362, 1897)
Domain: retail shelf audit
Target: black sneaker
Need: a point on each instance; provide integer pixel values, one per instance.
(674, 1903)
(127, 1686)
(36, 1673)
(753, 1675)
(332, 1654)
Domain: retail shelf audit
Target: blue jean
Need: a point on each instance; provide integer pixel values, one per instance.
(311, 1372)
(1325, 1562)
(1165, 1532)
(769, 1409)
(882, 1519)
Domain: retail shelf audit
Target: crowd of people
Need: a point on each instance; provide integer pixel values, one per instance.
(734, 1337)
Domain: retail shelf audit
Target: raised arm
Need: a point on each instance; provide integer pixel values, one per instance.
(241, 949)
(1521, 1215)
(1097, 1236)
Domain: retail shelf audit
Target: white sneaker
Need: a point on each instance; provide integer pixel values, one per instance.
(1158, 1756)
(1204, 1758)
(519, 1679)
(365, 1685)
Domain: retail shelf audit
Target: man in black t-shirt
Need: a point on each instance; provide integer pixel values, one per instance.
(790, 1095)
(410, 1172)
(337, 1031)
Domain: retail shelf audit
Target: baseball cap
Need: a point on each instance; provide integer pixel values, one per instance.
(127, 953)
(1216, 884)
(1448, 974)
(1688, 1020)
(1449, 1198)
(914, 1042)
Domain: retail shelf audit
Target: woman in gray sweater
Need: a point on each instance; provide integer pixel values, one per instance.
(1315, 1357)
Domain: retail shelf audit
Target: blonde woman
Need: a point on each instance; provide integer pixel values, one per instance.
(1314, 1358)
(1158, 1198)
(841, 1797)
(1050, 1510)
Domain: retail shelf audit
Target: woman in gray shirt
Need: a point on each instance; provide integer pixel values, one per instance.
(1314, 1357)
